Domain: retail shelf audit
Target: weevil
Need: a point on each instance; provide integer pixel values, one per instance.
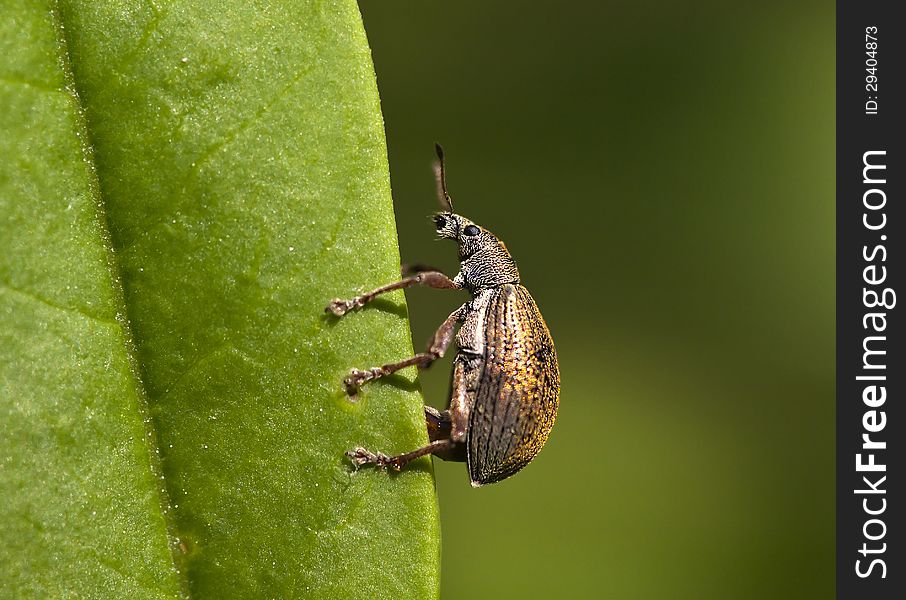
(505, 387)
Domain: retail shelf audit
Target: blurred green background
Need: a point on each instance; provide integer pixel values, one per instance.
(663, 174)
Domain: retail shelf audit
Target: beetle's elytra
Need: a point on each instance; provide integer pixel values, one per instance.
(506, 383)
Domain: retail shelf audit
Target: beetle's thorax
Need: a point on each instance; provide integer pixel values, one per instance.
(489, 267)
(484, 260)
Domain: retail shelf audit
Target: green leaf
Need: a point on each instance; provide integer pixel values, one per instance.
(183, 187)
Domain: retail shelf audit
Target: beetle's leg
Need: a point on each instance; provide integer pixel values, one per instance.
(432, 279)
(360, 456)
(439, 427)
(408, 269)
(439, 423)
(460, 397)
(436, 349)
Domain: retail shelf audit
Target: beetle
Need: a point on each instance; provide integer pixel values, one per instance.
(505, 388)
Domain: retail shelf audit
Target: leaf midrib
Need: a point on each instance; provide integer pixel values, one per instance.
(151, 441)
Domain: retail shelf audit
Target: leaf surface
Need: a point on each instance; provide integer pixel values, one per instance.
(183, 187)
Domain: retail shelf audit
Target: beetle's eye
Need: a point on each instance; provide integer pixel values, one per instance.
(440, 222)
(471, 230)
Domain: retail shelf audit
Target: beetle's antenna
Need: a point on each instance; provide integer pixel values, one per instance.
(439, 173)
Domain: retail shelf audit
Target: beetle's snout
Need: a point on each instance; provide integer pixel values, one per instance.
(446, 224)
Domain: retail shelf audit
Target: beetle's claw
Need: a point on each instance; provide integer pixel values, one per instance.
(339, 307)
(353, 382)
(357, 378)
(361, 457)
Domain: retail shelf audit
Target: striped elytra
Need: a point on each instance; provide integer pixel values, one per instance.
(518, 390)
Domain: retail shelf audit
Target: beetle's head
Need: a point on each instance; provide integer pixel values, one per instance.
(485, 259)
(472, 238)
